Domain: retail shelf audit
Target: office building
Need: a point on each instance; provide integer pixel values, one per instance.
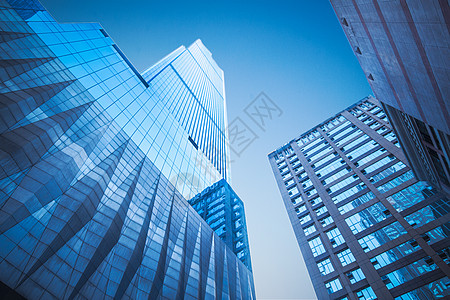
(367, 228)
(97, 161)
(223, 210)
(402, 47)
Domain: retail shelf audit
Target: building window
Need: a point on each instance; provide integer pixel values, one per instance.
(366, 218)
(321, 210)
(366, 294)
(326, 221)
(355, 276)
(316, 246)
(396, 182)
(333, 286)
(335, 237)
(346, 257)
(381, 236)
(305, 219)
(310, 229)
(325, 266)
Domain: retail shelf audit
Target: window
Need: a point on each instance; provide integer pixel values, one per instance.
(355, 203)
(387, 172)
(321, 210)
(346, 257)
(394, 254)
(355, 276)
(310, 229)
(368, 158)
(316, 246)
(396, 182)
(366, 218)
(325, 267)
(347, 193)
(305, 219)
(326, 221)
(381, 236)
(438, 289)
(342, 183)
(366, 294)
(335, 237)
(315, 201)
(333, 286)
(409, 272)
(408, 196)
(300, 209)
(354, 143)
(429, 213)
(293, 191)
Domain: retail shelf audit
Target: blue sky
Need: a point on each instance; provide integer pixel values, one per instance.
(294, 51)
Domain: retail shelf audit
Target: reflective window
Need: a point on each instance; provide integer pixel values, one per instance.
(381, 236)
(409, 272)
(325, 266)
(355, 142)
(321, 210)
(429, 213)
(357, 202)
(348, 192)
(394, 254)
(366, 218)
(316, 246)
(387, 172)
(326, 221)
(408, 196)
(310, 229)
(396, 182)
(305, 219)
(335, 237)
(371, 157)
(346, 257)
(355, 276)
(336, 176)
(438, 289)
(366, 294)
(333, 286)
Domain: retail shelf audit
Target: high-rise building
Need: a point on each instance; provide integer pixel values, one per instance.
(402, 47)
(223, 210)
(367, 228)
(97, 162)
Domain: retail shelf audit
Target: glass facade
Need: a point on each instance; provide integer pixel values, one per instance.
(97, 162)
(357, 201)
(224, 211)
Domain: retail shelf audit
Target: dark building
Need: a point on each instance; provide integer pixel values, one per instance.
(87, 148)
(224, 211)
(367, 228)
(403, 48)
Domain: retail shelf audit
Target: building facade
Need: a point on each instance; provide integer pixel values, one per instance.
(402, 47)
(223, 210)
(367, 228)
(97, 161)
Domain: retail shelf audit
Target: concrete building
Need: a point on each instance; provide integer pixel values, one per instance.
(367, 228)
(403, 48)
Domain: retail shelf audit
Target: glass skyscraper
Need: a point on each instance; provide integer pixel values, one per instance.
(97, 161)
(367, 228)
(223, 210)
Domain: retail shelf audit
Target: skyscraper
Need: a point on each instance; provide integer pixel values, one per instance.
(367, 228)
(402, 47)
(223, 210)
(95, 160)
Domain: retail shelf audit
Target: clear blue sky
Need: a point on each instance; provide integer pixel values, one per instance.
(294, 51)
